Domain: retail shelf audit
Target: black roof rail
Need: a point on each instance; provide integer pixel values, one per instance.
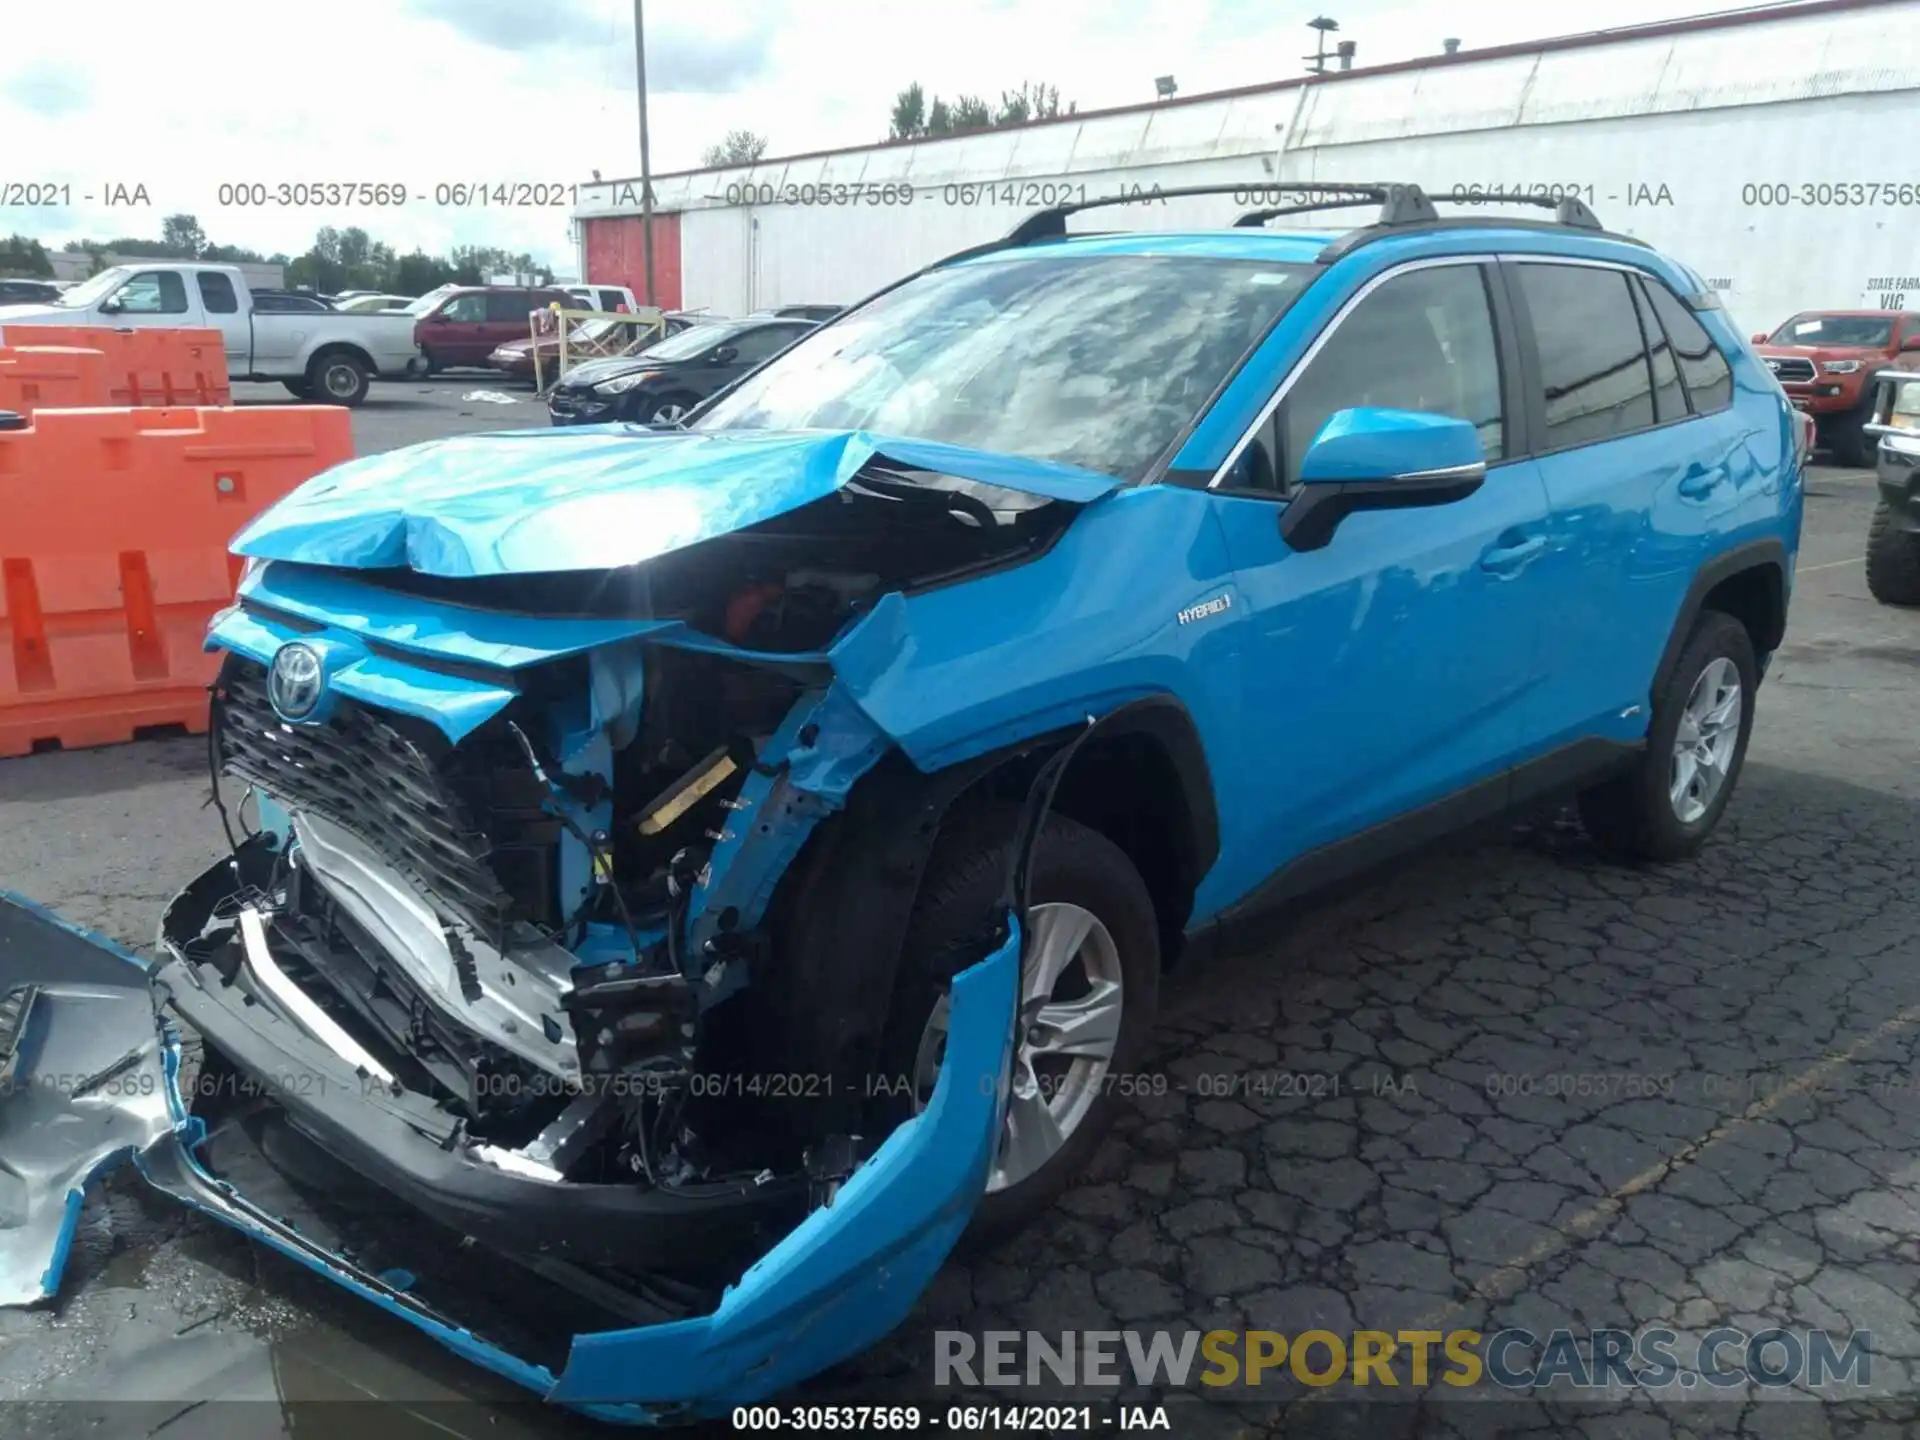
(1402, 208)
(1569, 212)
(1051, 224)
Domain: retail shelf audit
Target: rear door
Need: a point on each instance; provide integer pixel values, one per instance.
(507, 312)
(1631, 404)
(221, 300)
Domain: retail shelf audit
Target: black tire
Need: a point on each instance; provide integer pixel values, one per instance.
(650, 408)
(337, 377)
(1893, 560)
(1072, 864)
(299, 389)
(1852, 446)
(1632, 816)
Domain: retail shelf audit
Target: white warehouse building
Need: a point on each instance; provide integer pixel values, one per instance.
(1776, 151)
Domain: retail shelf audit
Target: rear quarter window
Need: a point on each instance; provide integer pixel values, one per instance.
(1703, 369)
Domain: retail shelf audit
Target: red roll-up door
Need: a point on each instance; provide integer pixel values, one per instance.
(616, 255)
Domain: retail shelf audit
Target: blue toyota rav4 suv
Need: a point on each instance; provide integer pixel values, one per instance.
(706, 869)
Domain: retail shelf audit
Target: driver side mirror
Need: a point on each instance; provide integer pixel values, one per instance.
(1376, 459)
(725, 355)
(1912, 342)
(1761, 338)
(112, 307)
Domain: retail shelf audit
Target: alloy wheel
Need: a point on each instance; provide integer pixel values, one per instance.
(1704, 744)
(668, 414)
(1071, 1003)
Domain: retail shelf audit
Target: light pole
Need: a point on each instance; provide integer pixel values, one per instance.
(646, 169)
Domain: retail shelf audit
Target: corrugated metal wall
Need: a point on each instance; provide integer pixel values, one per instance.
(1721, 145)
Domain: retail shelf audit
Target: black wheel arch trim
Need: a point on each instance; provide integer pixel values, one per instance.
(1766, 552)
(842, 909)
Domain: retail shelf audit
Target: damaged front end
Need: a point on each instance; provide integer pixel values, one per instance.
(540, 1003)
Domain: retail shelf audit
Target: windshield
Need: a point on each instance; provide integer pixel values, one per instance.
(691, 342)
(427, 301)
(88, 291)
(1096, 361)
(1835, 330)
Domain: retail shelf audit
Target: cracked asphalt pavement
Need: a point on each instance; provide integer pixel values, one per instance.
(1510, 1085)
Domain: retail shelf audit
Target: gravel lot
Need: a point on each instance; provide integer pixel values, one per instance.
(1427, 1180)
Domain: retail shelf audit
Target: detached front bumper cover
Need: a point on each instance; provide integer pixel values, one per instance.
(93, 1080)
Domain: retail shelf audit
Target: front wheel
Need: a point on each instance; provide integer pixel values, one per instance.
(670, 409)
(339, 379)
(1666, 806)
(1893, 559)
(1089, 985)
(1852, 446)
(299, 389)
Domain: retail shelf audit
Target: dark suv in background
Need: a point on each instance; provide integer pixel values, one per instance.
(661, 384)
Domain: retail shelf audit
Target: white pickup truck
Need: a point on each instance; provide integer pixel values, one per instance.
(329, 357)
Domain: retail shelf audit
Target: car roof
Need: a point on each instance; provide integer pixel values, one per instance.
(1383, 250)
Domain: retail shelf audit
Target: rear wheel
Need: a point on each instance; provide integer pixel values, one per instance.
(1666, 806)
(338, 378)
(1893, 559)
(1088, 990)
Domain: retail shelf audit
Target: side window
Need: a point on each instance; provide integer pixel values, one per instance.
(1593, 361)
(1669, 400)
(216, 293)
(1708, 377)
(1422, 341)
(506, 305)
(466, 309)
(611, 300)
(154, 292)
(764, 343)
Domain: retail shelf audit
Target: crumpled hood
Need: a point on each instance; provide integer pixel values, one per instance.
(595, 497)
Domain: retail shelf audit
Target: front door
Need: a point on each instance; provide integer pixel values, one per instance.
(456, 333)
(152, 300)
(1389, 670)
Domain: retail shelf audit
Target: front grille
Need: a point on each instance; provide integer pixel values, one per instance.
(360, 772)
(576, 402)
(1790, 371)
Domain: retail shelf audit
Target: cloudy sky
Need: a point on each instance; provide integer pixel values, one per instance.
(421, 93)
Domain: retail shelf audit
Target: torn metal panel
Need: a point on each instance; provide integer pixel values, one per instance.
(84, 1085)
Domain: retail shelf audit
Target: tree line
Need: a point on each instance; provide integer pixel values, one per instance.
(918, 117)
(339, 259)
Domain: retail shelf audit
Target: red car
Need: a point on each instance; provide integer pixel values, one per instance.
(465, 326)
(1825, 360)
(516, 356)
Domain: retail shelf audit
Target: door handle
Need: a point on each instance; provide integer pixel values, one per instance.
(1505, 559)
(1699, 482)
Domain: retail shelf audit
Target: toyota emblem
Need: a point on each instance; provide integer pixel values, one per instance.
(295, 682)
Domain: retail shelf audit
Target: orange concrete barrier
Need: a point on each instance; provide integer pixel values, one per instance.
(114, 527)
(49, 378)
(144, 367)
